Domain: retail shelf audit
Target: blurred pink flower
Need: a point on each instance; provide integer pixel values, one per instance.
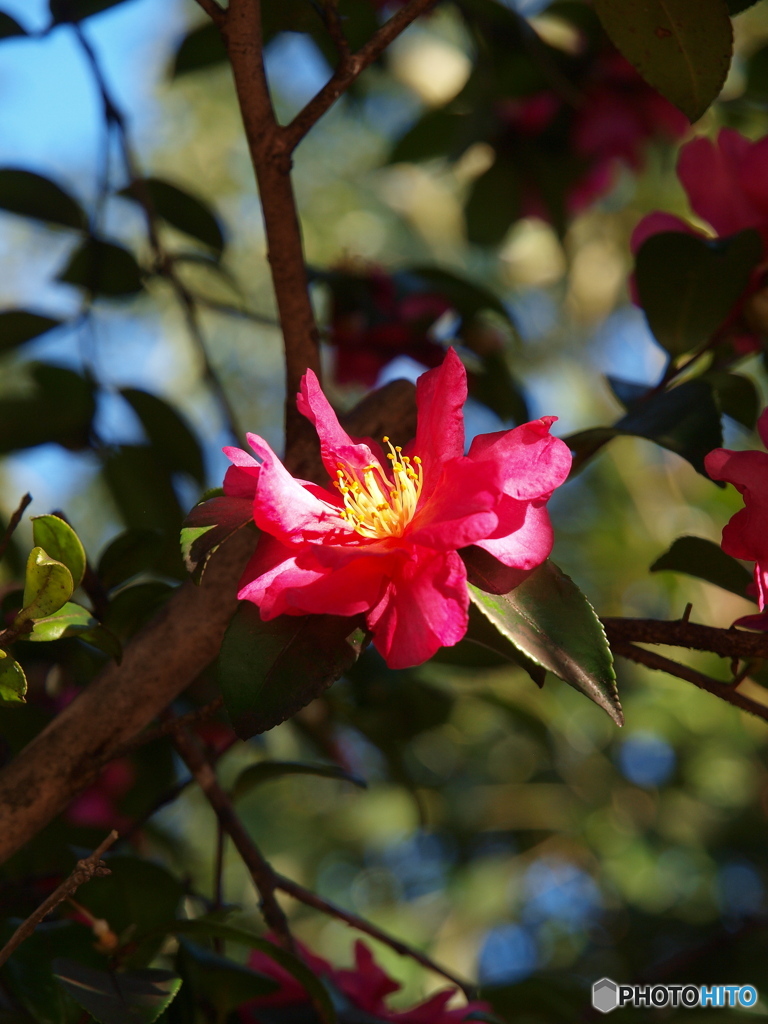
(97, 806)
(385, 543)
(746, 535)
(366, 986)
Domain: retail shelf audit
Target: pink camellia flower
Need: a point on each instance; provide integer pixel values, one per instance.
(726, 181)
(384, 540)
(746, 535)
(365, 986)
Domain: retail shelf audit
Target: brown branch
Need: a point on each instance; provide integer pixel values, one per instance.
(311, 899)
(85, 870)
(271, 160)
(728, 643)
(348, 70)
(725, 691)
(198, 715)
(13, 522)
(263, 876)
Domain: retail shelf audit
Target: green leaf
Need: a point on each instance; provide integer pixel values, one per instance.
(32, 195)
(681, 47)
(549, 619)
(494, 203)
(9, 27)
(737, 396)
(19, 325)
(13, 682)
(133, 997)
(136, 898)
(208, 928)
(264, 771)
(439, 133)
(737, 6)
(70, 620)
(497, 388)
(130, 553)
(62, 543)
(169, 434)
(47, 586)
(705, 560)
(133, 606)
(269, 670)
(142, 486)
(59, 408)
(684, 420)
(482, 632)
(202, 48)
(104, 269)
(185, 212)
(757, 75)
(76, 10)
(688, 286)
(215, 981)
(206, 528)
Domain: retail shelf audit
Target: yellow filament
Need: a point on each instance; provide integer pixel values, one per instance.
(376, 506)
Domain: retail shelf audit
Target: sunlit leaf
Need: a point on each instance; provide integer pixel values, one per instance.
(61, 542)
(13, 682)
(549, 619)
(207, 526)
(681, 47)
(47, 586)
(70, 620)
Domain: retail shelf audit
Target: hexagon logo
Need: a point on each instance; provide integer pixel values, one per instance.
(605, 995)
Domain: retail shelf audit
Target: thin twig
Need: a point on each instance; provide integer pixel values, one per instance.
(85, 870)
(720, 689)
(261, 871)
(13, 522)
(728, 643)
(350, 67)
(333, 25)
(198, 715)
(218, 15)
(311, 899)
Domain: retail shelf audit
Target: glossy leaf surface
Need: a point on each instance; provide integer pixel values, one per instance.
(696, 556)
(61, 542)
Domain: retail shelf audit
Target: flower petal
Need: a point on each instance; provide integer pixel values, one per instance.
(241, 478)
(710, 173)
(273, 563)
(460, 510)
(524, 536)
(657, 222)
(288, 510)
(532, 462)
(335, 443)
(440, 397)
(424, 608)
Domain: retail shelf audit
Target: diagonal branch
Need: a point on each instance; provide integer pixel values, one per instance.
(728, 643)
(350, 67)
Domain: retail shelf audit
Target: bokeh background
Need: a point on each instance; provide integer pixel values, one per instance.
(515, 833)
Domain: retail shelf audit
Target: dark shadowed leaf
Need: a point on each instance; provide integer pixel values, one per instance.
(61, 542)
(19, 325)
(681, 47)
(757, 75)
(60, 408)
(627, 392)
(685, 420)
(737, 396)
(47, 586)
(549, 619)
(468, 297)
(168, 432)
(142, 487)
(207, 928)
(200, 48)
(134, 606)
(207, 526)
(494, 203)
(181, 210)
(737, 6)
(264, 771)
(132, 552)
(269, 670)
(13, 682)
(76, 10)
(439, 133)
(32, 195)
(9, 27)
(215, 981)
(705, 560)
(495, 387)
(103, 268)
(132, 997)
(688, 285)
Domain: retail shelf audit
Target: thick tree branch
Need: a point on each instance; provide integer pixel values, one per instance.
(85, 870)
(729, 643)
(725, 691)
(350, 66)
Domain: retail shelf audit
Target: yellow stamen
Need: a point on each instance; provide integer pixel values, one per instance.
(376, 506)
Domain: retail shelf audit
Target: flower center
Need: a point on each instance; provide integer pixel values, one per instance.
(374, 505)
